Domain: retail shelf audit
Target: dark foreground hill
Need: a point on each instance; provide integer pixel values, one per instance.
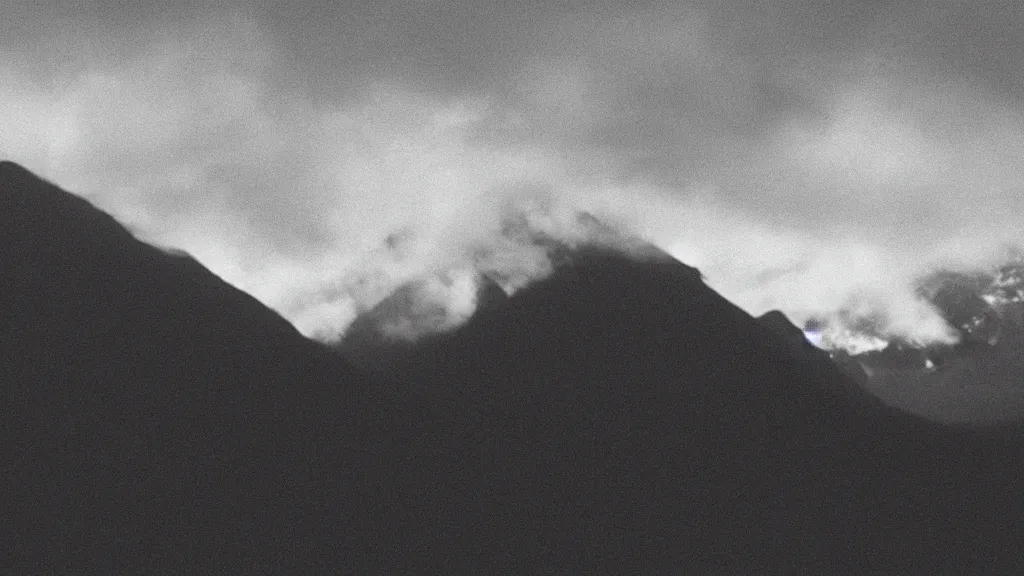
(157, 420)
(657, 427)
(619, 417)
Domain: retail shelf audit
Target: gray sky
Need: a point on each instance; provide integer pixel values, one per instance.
(806, 156)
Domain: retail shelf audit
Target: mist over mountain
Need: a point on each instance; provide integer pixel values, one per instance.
(806, 160)
(975, 376)
(399, 287)
(618, 416)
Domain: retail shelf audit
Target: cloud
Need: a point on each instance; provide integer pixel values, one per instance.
(809, 160)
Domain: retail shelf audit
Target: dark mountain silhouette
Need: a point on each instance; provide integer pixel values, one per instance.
(618, 417)
(637, 421)
(156, 419)
(818, 361)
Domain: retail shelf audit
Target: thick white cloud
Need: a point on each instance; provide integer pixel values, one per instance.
(805, 160)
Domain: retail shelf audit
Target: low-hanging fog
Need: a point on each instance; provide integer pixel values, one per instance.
(807, 159)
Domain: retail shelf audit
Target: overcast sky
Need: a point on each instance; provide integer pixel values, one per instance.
(806, 156)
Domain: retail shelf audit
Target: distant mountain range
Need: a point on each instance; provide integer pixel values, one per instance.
(980, 376)
(617, 417)
(983, 307)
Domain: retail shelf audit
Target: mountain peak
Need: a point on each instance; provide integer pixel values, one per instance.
(40, 216)
(618, 416)
(26, 192)
(11, 170)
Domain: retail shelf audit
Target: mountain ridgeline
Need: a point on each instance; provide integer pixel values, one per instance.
(616, 417)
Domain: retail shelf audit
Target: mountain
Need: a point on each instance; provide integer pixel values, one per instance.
(380, 336)
(816, 360)
(977, 378)
(617, 417)
(636, 421)
(157, 419)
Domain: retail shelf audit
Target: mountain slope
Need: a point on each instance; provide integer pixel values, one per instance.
(977, 378)
(618, 417)
(157, 419)
(625, 418)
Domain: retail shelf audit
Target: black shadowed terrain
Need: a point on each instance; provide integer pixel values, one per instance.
(157, 419)
(657, 427)
(618, 417)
